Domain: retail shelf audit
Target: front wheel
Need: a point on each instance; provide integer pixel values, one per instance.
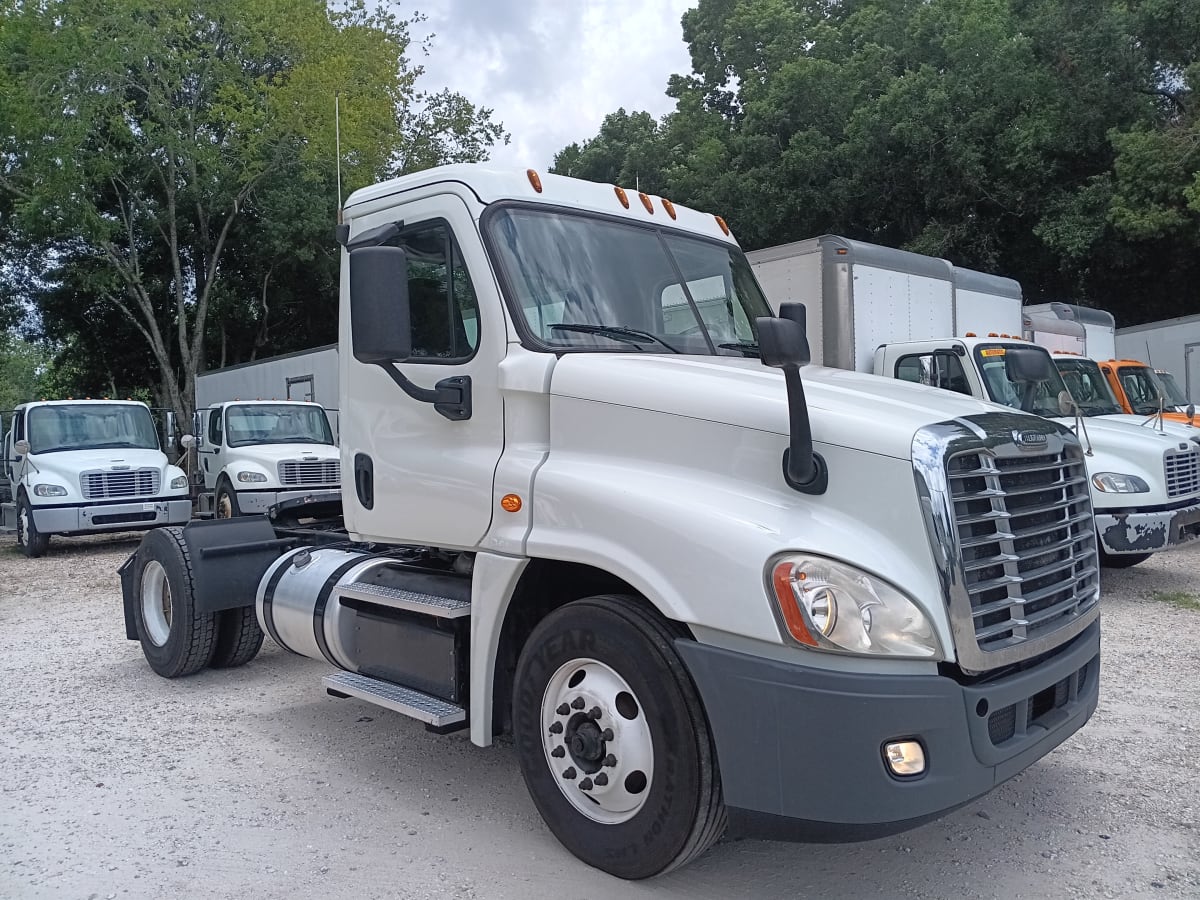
(31, 541)
(1122, 560)
(227, 504)
(613, 741)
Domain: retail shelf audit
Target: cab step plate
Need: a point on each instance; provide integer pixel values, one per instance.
(413, 601)
(415, 704)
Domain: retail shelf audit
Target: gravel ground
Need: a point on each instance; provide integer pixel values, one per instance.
(254, 783)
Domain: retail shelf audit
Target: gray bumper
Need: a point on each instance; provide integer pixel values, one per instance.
(112, 516)
(253, 502)
(1148, 532)
(800, 749)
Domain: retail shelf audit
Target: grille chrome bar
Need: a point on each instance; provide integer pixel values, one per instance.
(1183, 472)
(305, 472)
(103, 484)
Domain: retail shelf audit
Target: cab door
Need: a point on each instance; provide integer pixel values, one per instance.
(210, 444)
(410, 474)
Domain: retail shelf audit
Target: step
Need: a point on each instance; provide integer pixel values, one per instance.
(431, 710)
(399, 598)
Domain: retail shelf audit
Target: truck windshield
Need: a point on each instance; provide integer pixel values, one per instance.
(581, 282)
(1142, 389)
(91, 426)
(1043, 401)
(276, 423)
(1088, 386)
(1175, 394)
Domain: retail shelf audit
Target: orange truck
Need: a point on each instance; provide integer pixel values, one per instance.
(1140, 390)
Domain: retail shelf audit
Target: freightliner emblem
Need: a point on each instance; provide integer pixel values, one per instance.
(1029, 440)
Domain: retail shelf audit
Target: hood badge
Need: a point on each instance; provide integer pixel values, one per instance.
(121, 468)
(1029, 440)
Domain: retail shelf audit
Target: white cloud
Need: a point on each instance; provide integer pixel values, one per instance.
(552, 69)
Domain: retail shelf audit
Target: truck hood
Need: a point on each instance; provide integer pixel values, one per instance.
(68, 461)
(1125, 435)
(1149, 423)
(270, 454)
(849, 409)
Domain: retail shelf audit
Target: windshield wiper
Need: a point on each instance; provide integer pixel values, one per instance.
(745, 346)
(617, 333)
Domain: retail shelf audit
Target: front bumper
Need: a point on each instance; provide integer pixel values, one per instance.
(112, 516)
(1148, 531)
(254, 502)
(800, 749)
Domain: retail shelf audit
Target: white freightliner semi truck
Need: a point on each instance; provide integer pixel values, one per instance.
(255, 454)
(916, 318)
(86, 467)
(591, 501)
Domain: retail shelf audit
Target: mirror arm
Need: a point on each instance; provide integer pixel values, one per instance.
(804, 469)
(451, 397)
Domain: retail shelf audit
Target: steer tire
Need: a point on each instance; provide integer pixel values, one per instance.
(239, 638)
(1122, 560)
(627, 653)
(176, 639)
(226, 505)
(32, 542)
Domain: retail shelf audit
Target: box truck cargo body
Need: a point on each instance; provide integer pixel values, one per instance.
(1172, 344)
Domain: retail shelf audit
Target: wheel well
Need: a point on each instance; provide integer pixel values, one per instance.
(545, 586)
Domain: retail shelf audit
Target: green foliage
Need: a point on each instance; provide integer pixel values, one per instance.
(1180, 599)
(168, 171)
(1055, 141)
(22, 370)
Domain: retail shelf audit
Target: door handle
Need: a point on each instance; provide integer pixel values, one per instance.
(364, 480)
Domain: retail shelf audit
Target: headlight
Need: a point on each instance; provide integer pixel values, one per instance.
(1116, 483)
(246, 477)
(49, 490)
(178, 482)
(832, 606)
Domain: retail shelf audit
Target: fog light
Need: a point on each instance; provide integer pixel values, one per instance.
(904, 758)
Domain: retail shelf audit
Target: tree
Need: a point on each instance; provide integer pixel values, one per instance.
(22, 366)
(150, 149)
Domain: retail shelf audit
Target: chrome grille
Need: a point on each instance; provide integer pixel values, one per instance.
(1183, 472)
(304, 472)
(99, 484)
(1026, 541)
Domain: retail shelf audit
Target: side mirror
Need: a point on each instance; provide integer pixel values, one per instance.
(172, 422)
(187, 441)
(380, 327)
(784, 341)
(1190, 412)
(22, 447)
(1027, 365)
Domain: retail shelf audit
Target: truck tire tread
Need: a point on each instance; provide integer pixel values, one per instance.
(239, 638)
(189, 647)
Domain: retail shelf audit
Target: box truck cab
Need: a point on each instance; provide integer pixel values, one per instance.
(1141, 392)
(254, 454)
(920, 319)
(1092, 391)
(87, 466)
(600, 501)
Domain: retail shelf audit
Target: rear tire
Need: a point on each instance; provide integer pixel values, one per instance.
(613, 741)
(239, 638)
(1122, 560)
(32, 542)
(176, 639)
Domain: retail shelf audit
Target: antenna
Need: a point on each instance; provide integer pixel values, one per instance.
(337, 139)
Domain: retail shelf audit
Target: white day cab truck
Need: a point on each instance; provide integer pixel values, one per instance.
(591, 502)
(253, 455)
(920, 319)
(84, 467)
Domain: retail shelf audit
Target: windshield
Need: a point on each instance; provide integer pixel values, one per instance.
(1142, 389)
(1175, 394)
(92, 426)
(581, 282)
(1088, 386)
(280, 423)
(1041, 401)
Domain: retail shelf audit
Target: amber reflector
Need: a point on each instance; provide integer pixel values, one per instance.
(510, 503)
(669, 207)
(789, 605)
(721, 222)
(646, 202)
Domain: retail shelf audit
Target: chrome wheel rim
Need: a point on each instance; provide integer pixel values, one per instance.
(156, 603)
(224, 506)
(597, 741)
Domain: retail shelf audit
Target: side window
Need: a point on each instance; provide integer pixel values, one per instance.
(441, 298)
(939, 369)
(214, 427)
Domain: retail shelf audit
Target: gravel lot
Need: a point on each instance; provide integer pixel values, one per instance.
(253, 783)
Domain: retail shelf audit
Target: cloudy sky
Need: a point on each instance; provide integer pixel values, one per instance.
(552, 69)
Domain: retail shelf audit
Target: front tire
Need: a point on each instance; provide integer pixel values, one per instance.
(613, 741)
(227, 504)
(1122, 560)
(31, 541)
(176, 639)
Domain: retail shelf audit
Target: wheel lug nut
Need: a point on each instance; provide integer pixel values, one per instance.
(606, 734)
(610, 760)
(601, 779)
(558, 752)
(569, 774)
(586, 784)
(556, 728)
(578, 703)
(563, 709)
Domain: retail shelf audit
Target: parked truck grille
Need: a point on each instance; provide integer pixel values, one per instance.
(103, 485)
(1183, 472)
(310, 472)
(1027, 542)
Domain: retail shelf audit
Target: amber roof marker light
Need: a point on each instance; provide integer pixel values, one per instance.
(622, 196)
(724, 227)
(669, 207)
(534, 179)
(646, 201)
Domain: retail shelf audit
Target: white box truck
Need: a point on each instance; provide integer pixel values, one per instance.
(895, 313)
(86, 467)
(592, 502)
(1172, 345)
